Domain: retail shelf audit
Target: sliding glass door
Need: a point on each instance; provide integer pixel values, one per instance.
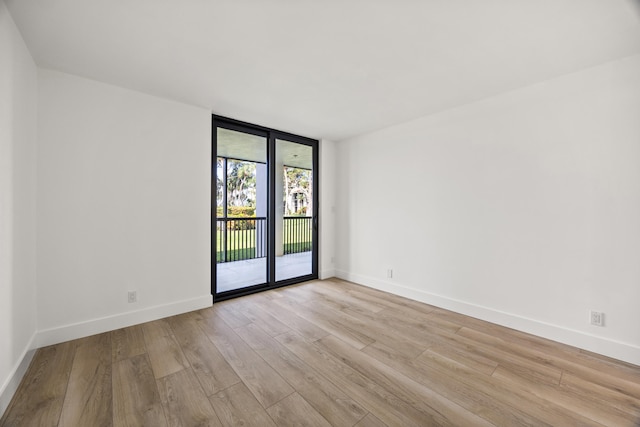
(294, 220)
(264, 213)
(241, 209)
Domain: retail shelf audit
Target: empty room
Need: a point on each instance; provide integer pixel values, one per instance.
(331, 213)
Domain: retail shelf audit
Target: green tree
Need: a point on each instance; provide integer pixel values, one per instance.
(297, 195)
(241, 183)
(219, 181)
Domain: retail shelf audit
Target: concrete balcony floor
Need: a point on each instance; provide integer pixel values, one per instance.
(240, 274)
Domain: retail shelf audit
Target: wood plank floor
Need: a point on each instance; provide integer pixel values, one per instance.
(324, 353)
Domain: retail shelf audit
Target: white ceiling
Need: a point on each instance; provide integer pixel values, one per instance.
(241, 146)
(326, 68)
(253, 148)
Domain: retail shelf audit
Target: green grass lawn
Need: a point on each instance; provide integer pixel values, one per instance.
(241, 244)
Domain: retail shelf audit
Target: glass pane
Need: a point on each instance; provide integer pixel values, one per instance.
(241, 210)
(294, 216)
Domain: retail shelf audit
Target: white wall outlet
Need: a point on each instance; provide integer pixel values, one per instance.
(596, 318)
(132, 296)
(390, 273)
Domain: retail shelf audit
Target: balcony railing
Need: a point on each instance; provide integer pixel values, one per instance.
(240, 239)
(297, 234)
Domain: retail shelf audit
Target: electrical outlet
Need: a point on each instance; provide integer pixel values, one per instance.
(132, 296)
(596, 318)
(390, 273)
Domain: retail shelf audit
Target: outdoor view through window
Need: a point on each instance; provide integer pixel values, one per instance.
(242, 218)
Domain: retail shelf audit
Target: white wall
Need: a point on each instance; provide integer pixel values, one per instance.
(522, 209)
(18, 115)
(327, 214)
(124, 189)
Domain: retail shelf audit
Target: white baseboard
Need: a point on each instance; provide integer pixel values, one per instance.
(597, 344)
(91, 327)
(10, 386)
(326, 274)
(96, 326)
